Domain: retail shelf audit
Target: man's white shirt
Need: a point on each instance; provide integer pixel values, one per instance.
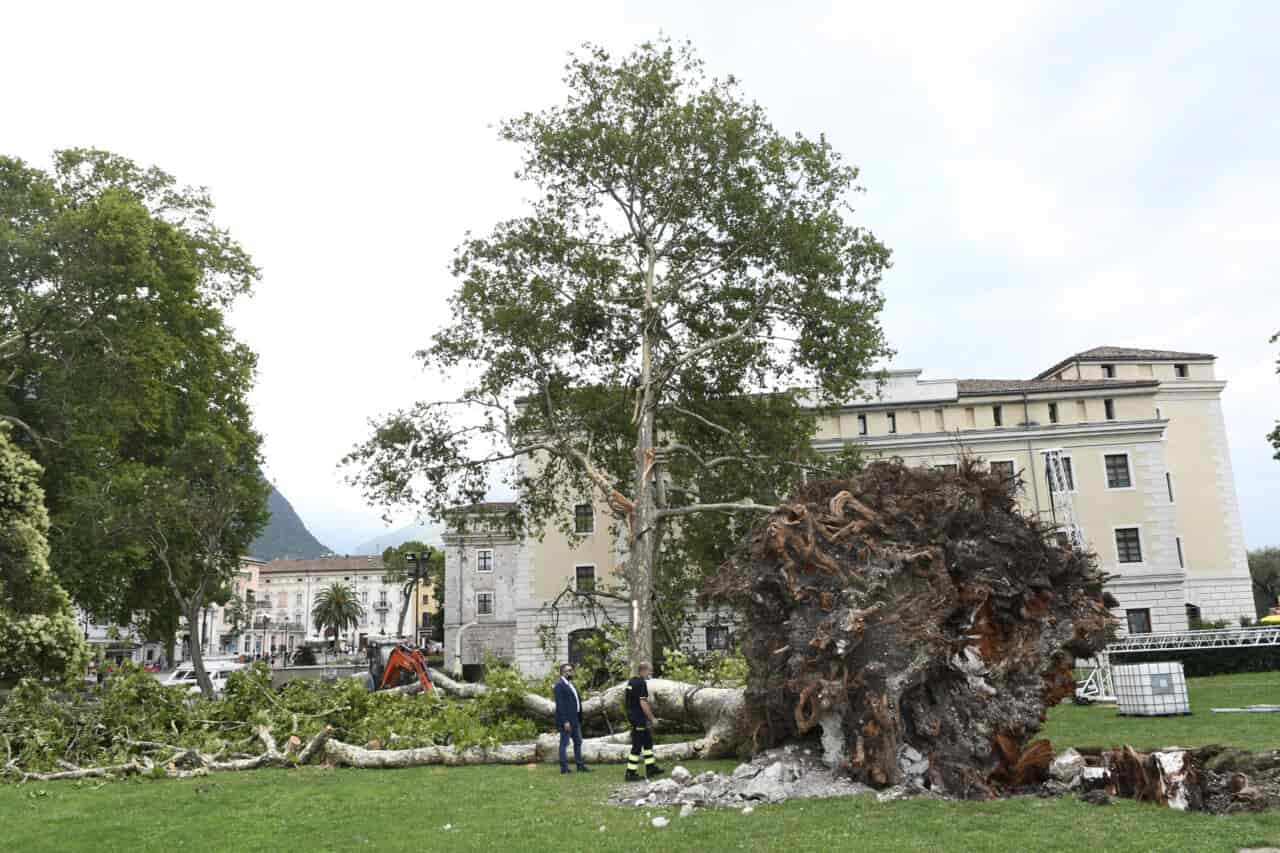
(569, 684)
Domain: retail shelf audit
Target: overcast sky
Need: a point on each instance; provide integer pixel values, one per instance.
(1050, 178)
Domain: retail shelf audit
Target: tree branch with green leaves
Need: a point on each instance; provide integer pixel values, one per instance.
(686, 287)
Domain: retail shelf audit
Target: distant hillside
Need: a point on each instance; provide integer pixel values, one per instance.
(428, 533)
(286, 535)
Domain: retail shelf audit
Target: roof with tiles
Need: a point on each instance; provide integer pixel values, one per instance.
(983, 387)
(326, 564)
(1127, 354)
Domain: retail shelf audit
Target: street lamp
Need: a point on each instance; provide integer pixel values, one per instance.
(415, 575)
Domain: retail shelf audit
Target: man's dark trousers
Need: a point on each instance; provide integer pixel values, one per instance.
(568, 711)
(576, 734)
(641, 749)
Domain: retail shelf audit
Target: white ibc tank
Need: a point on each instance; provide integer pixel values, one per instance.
(1151, 689)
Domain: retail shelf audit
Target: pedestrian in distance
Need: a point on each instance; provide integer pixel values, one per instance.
(569, 719)
(640, 716)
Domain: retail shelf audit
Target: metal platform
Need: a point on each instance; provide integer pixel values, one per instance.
(1099, 686)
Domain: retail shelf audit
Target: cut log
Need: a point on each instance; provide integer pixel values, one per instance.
(612, 749)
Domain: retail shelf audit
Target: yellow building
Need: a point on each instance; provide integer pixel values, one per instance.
(1143, 442)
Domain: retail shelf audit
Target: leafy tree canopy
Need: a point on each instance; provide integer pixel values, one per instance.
(684, 293)
(39, 636)
(114, 351)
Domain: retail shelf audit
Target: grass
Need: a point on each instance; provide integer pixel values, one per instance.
(1099, 725)
(535, 808)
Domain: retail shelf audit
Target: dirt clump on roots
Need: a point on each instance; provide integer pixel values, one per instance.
(915, 622)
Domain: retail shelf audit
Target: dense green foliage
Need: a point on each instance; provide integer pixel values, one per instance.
(659, 330)
(115, 355)
(39, 636)
(1264, 570)
(285, 537)
(1205, 662)
(41, 729)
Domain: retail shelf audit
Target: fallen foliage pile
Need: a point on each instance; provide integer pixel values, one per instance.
(135, 724)
(918, 621)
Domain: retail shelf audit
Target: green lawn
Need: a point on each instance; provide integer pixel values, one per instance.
(496, 809)
(1099, 725)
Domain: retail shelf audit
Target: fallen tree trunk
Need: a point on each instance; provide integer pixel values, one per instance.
(718, 711)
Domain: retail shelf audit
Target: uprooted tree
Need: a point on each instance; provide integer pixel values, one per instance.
(640, 335)
(917, 620)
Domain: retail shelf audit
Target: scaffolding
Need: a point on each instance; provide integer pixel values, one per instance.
(1099, 686)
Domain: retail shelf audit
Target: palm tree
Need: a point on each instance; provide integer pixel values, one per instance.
(336, 609)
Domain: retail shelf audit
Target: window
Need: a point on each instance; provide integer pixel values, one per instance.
(938, 421)
(997, 416)
(1003, 469)
(947, 468)
(1082, 412)
(382, 598)
(1177, 540)
(970, 419)
(718, 639)
(1118, 471)
(1180, 371)
(862, 424)
(1109, 407)
(484, 559)
(1168, 484)
(484, 603)
(364, 597)
(1139, 621)
(1128, 545)
(297, 600)
(1109, 371)
(584, 519)
(282, 600)
(1053, 413)
(1068, 474)
(893, 421)
(584, 578)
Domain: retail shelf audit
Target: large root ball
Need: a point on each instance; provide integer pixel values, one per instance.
(916, 621)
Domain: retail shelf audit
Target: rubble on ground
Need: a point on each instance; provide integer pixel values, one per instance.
(783, 774)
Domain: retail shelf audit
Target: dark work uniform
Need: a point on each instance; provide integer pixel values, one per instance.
(641, 735)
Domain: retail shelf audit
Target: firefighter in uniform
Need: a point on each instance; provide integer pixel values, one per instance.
(640, 715)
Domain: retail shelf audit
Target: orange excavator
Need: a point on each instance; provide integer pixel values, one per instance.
(395, 664)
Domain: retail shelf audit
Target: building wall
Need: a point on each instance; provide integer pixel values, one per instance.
(470, 637)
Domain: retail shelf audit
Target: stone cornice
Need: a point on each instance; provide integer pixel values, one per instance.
(1055, 432)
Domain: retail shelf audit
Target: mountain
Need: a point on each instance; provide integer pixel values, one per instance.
(428, 533)
(285, 535)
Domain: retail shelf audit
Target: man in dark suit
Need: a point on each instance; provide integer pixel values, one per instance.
(569, 718)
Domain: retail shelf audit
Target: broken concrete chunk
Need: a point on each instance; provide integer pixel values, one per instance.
(681, 775)
(1067, 767)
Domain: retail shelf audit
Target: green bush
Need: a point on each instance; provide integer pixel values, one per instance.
(1196, 664)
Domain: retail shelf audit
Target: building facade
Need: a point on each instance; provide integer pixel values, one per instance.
(1145, 456)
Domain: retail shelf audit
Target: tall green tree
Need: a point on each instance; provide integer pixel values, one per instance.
(413, 564)
(685, 289)
(336, 609)
(199, 513)
(39, 636)
(114, 350)
(1264, 572)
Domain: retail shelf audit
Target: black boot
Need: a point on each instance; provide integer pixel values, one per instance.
(632, 776)
(653, 771)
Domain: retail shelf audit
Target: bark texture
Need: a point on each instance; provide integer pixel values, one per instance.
(916, 621)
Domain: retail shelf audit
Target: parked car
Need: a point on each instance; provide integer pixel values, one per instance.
(185, 676)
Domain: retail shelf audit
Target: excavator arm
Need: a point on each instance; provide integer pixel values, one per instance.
(404, 659)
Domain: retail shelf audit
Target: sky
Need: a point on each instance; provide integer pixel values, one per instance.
(1050, 177)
